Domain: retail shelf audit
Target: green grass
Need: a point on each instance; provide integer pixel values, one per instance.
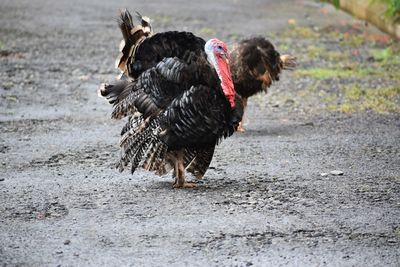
(393, 7)
(386, 68)
(392, 10)
(296, 31)
(315, 51)
(352, 40)
(335, 56)
(12, 98)
(382, 100)
(356, 98)
(365, 71)
(327, 73)
(353, 93)
(397, 232)
(387, 57)
(382, 54)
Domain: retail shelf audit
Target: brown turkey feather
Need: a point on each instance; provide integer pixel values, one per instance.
(133, 35)
(255, 65)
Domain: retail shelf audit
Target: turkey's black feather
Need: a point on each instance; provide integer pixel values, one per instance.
(163, 45)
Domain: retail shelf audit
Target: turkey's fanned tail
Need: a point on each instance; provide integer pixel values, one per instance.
(140, 143)
(133, 37)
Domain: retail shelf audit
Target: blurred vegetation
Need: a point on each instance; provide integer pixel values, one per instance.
(207, 31)
(384, 14)
(347, 69)
(355, 98)
(393, 6)
(397, 232)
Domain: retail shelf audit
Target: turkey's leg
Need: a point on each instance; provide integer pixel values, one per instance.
(179, 171)
(240, 127)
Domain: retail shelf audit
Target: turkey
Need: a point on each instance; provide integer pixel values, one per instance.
(179, 98)
(255, 64)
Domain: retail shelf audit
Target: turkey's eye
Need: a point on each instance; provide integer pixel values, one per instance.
(220, 47)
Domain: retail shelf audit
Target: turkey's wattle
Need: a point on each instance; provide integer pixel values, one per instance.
(218, 55)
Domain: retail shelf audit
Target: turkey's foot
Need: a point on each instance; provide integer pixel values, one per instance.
(180, 182)
(240, 128)
(179, 172)
(184, 185)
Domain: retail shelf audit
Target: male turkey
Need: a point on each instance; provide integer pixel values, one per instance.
(255, 65)
(179, 98)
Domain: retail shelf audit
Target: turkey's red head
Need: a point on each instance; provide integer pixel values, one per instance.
(218, 56)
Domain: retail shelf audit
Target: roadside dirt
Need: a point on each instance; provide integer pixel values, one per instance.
(263, 201)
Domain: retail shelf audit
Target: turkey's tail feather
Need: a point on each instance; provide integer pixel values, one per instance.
(122, 95)
(140, 144)
(129, 97)
(199, 165)
(112, 91)
(288, 62)
(133, 37)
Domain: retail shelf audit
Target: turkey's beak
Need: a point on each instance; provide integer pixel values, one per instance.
(225, 57)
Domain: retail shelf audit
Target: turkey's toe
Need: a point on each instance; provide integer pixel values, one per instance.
(241, 129)
(184, 185)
